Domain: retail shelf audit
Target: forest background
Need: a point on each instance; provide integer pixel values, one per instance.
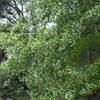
(50, 49)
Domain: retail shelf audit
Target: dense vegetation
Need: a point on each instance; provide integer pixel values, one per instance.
(57, 62)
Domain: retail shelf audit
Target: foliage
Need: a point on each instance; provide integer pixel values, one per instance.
(41, 63)
(51, 64)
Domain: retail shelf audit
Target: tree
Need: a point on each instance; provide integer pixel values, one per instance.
(60, 63)
(12, 10)
(65, 12)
